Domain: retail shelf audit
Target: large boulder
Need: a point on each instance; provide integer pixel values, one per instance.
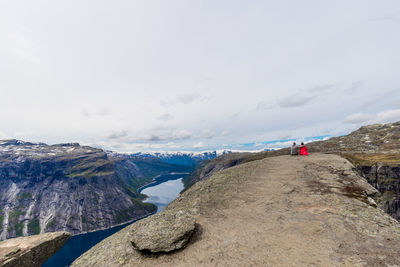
(163, 232)
(31, 250)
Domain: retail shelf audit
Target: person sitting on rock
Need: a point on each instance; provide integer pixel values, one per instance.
(294, 149)
(303, 150)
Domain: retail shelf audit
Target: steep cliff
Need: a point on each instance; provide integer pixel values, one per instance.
(68, 187)
(31, 251)
(375, 151)
(382, 170)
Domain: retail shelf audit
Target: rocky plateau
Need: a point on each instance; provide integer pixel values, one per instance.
(277, 211)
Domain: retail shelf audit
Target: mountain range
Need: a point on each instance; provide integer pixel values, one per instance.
(68, 187)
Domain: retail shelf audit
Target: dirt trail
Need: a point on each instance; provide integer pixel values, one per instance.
(280, 211)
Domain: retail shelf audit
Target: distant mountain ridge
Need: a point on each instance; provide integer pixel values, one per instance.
(182, 158)
(68, 187)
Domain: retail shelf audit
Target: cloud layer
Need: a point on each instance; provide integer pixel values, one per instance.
(193, 75)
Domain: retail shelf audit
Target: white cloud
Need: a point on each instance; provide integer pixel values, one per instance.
(3, 135)
(388, 116)
(356, 86)
(320, 88)
(185, 99)
(358, 117)
(264, 106)
(118, 135)
(382, 117)
(226, 132)
(100, 112)
(198, 145)
(208, 134)
(278, 145)
(135, 147)
(168, 135)
(188, 98)
(165, 117)
(295, 101)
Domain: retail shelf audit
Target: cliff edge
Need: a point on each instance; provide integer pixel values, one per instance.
(290, 211)
(31, 250)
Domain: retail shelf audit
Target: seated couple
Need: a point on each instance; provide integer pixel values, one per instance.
(294, 149)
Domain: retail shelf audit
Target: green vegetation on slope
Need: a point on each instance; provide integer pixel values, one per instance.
(90, 168)
(147, 206)
(122, 216)
(34, 226)
(369, 159)
(1, 219)
(50, 224)
(24, 195)
(18, 229)
(13, 224)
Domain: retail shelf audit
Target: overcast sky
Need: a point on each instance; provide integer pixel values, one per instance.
(195, 75)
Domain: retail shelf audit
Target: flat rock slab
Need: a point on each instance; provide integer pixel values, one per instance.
(163, 232)
(31, 250)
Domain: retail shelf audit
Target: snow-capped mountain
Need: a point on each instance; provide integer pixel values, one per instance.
(183, 158)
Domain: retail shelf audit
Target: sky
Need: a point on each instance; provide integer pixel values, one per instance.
(185, 75)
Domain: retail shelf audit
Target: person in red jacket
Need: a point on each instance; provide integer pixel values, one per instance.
(303, 150)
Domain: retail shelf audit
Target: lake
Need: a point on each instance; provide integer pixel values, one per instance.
(161, 192)
(164, 193)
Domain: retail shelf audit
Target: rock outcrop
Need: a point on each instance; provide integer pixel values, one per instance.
(384, 174)
(163, 232)
(373, 149)
(371, 139)
(277, 211)
(376, 138)
(31, 251)
(68, 187)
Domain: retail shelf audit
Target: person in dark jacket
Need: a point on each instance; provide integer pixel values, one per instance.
(294, 149)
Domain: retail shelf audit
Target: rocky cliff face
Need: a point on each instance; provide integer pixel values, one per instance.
(383, 172)
(375, 151)
(31, 251)
(386, 179)
(68, 187)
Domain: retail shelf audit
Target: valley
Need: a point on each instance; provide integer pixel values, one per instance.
(73, 188)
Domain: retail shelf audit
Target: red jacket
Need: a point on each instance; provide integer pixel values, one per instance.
(303, 151)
